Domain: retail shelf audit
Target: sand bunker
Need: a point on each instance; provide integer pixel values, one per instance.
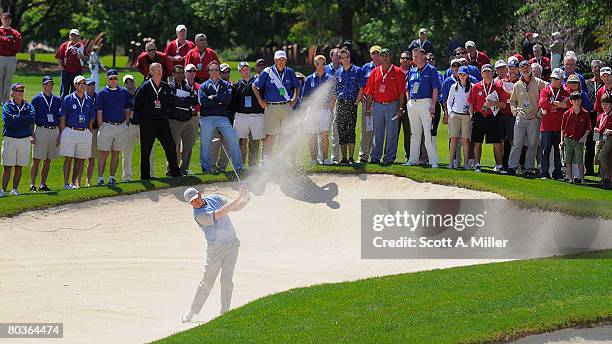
(124, 269)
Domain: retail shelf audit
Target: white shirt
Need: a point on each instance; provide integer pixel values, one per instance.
(457, 99)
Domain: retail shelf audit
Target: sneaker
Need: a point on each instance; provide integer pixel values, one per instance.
(44, 188)
(434, 165)
(188, 172)
(477, 168)
(74, 186)
(511, 171)
(125, 181)
(112, 181)
(187, 316)
(450, 166)
(343, 161)
(100, 182)
(362, 161)
(408, 163)
(497, 169)
(32, 188)
(351, 161)
(14, 192)
(67, 187)
(2, 193)
(467, 167)
(327, 162)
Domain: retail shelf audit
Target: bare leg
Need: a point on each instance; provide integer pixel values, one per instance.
(498, 149)
(466, 152)
(17, 176)
(312, 143)
(34, 171)
(453, 149)
(67, 163)
(102, 163)
(325, 145)
(477, 152)
(6, 175)
(115, 162)
(91, 162)
(45, 172)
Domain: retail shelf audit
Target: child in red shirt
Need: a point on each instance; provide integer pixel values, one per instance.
(575, 127)
(603, 129)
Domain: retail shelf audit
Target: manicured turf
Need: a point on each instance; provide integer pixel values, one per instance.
(107, 60)
(473, 304)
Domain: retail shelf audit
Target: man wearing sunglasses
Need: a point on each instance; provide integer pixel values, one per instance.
(184, 133)
(69, 56)
(472, 70)
(10, 46)
(201, 56)
(150, 56)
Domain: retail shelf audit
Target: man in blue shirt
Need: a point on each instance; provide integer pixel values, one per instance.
(91, 91)
(350, 84)
(422, 89)
(113, 105)
(46, 105)
(18, 117)
(422, 42)
(472, 70)
(330, 69)
(77, 114)
(319, 114)
(215, 96)
(334, 64)
(211, 215)
(281, 91)
(367, 136)
(569, 66)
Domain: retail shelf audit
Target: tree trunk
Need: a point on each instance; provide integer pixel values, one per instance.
(347, 12)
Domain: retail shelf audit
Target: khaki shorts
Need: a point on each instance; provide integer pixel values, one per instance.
(276, 117)
(459, 125)
(45, 146)
(112, 137)
(574, 151)
(253, 123)
(15, 152)
(76, 144)
(317, 120)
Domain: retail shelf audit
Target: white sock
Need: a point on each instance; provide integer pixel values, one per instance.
(101, 179)
(111, 177)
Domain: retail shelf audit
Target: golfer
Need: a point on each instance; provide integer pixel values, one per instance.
(210, 213)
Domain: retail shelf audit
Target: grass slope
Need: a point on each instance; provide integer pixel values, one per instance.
(471, 304)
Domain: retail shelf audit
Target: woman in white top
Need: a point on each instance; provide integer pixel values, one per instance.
(95, 64)
(459, 123)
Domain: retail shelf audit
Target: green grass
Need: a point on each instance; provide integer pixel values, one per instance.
(107, 60)
(472, 304)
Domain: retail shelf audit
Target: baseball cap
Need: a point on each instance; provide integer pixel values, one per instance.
(513, 63)
(300, 75)
(455, 61)
(573, 78)
(463, 70)
(470, 44)
(90, 81)
(280, 54)
(46, 79)
(500, 63)
(463, 60)
(74, 32)
(190, 194)
(112, 72)
(17, 86)
(486, 67)
(78, 79)
(375, 49)
(243, 64)
(224, 66)
(190, 66)
(128, 76)
(181, 27)
(575, 95)
(605, 70)
(557, 73)
(260, 62)
(524, 63)
(423, 30)
(385, 51)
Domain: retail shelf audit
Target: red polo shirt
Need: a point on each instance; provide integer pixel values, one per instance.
(478, 96)
(68, 53)
(143, 62)
(543, 61)
(604, 122)
(201, 61)
(386, 86)
(574, 125)
(598, 96)
(173, 49)
(507, 111)
(551, 120)
(480, 57)
(10, 42)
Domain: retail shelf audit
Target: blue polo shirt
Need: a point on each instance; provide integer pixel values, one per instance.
(472, 70)
(44, 106)
(348, 82)
(77, 112)
(427, 79)
(367, 69)
(113, 103)
(221, 98)
(216, 232)
(329, 69)
(17, 120)
(271, 92)
(450, 81)
(313, 81)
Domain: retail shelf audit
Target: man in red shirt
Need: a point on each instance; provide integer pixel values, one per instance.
(177, 49)
(575, 128)
(69, 57)
(476, 58)
(553, 102)
(482, 101)
(201, 56)
(150, 56)
(10, 45)
(603, 130)
(542, 61)
(606, 76)
(386, 88)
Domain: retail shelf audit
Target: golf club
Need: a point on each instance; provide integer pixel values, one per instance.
(216, 139)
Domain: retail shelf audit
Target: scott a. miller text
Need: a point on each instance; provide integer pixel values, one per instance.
(425, 242)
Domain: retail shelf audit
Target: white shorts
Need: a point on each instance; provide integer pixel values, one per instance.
(112, 137)
(254, 123)
(75, 143)
(45, 146)
(317, 121)
(15, 152)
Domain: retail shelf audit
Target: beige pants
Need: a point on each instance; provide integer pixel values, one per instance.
(365, 145)
(218, 258)
(126, 159)
(7, 70)
(218, 157)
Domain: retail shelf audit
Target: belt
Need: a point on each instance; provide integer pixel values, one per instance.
(47, 127)
(460, 113)
(386, 103)
(114, 123)
(278, 103)
(420, 99)
(77, 129)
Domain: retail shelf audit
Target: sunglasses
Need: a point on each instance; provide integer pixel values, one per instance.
(18, 91)
(319, 64)
(405, 58)
(81, 83)
(457, 54)
(113, 78)
(129, 81)
(226, 71)
(213, 70)
(151, 50)
(190, 71)
(431, 59)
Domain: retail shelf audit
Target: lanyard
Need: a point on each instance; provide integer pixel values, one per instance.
(553, 93)
(202, 56)
(281, 77)
(384, 75)
(602, 120)
(81, 104)
(421, 44)
(485, 88)
(48, 103)
(156, 90)
(18, 108)
(178, 48)
(215, 87)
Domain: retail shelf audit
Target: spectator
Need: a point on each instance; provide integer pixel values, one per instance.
(459, 122)
(573, 85)
(472, 70)
(386, 98)
(524, 105)
(10, 44)
(281, 92)
(77, 114)
(422, 42)
(593, 85)
(575, 127)
(330, 69)
(556, 50)
(569, 64)
(475, 57)
(542, 61)
(507, 76)
(527, 45)
(350, 83)
(422, 88)
(553, 101)
(201, 56)
(133, 134)
(69, 56)
(95, 64)
(537, 71)
(150, 56)
(431, 59)
(226, 72)
(152, 102)
(184, 130)
(319, 113)
(603, 131)
(485, 100)
(18, 117)
(334, 64)
(215, 96)
(403, 124)
(90, 90)
(606, 76)
(405, 62)
(46, 107)
(367, 132)
(177, 49)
